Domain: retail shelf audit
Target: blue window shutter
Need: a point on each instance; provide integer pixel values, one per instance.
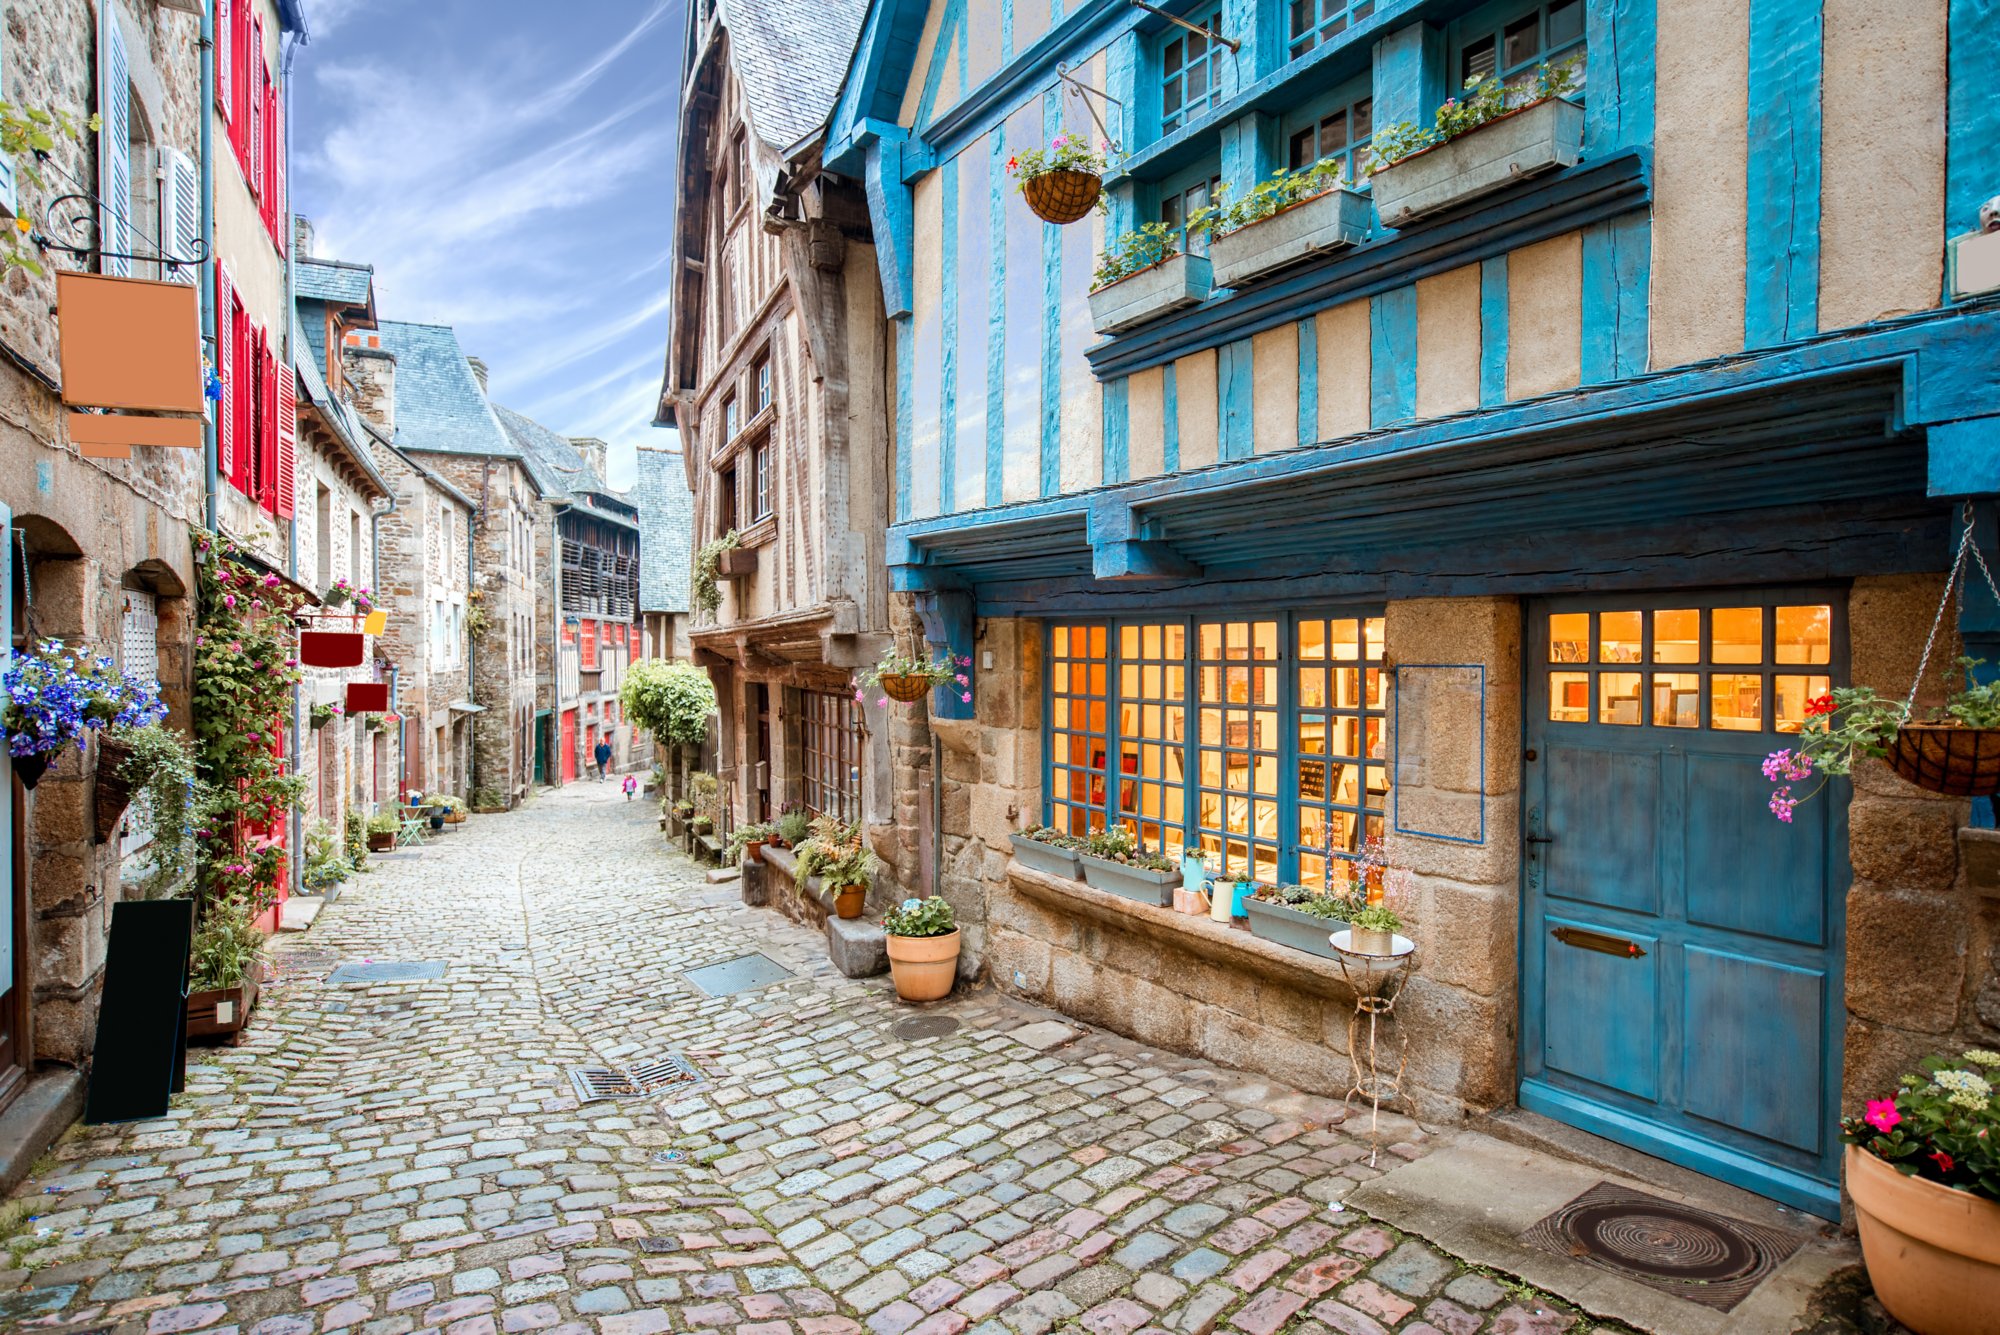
(114, 143)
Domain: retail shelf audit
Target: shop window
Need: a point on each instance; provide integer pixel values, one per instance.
(1261, 742)
(1189, 66)
(1079, 696)
(1316, 21)
(1514, 47)
(1721, 668)
(830, 744)
(1340, 135)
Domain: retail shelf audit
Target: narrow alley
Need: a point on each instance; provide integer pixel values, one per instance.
(389, 1156)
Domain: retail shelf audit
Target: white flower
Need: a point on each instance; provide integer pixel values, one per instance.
(1963, 1082)
(1981, 1057)
(1968, 1101)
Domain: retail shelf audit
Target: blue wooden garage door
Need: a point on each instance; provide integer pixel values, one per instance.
(1681, 948)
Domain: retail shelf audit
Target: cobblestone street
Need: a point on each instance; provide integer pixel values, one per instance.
(388, 1157)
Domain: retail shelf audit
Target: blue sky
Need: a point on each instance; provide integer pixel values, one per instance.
(507, 166)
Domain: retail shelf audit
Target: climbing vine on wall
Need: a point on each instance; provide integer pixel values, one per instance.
(244, 671)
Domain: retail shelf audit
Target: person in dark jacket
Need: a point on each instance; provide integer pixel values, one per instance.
(603, 759)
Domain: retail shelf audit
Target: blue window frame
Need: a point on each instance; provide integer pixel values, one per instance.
(1316, 21)
(1513, 41)
(1189, 67)
(1186, 191)
(1257, 738)
(1339, 133)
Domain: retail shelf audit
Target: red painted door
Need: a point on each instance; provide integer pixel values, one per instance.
(569, 746)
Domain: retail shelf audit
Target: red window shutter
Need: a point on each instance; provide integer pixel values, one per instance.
(239, 98)
(288, 440)
(225, 347)
(225, 59)
(267, 436)
(246, 402)
(634, 641)
(257, 90)
(588, 659)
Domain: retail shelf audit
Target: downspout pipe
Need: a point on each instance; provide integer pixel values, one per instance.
(375, 518)
(290, 45)
(209, 451)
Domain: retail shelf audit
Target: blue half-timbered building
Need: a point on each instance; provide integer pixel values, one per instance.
(1514, 534)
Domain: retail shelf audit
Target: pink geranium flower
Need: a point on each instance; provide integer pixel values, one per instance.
(1882, 1114)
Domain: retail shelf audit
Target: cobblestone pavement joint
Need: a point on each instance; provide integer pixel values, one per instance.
(399, 1157)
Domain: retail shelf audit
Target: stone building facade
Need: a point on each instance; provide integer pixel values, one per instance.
(1497, 536)
(775, 377)
(97, 550)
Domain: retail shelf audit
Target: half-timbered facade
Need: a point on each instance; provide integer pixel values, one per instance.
(1509, 522)
(774, 380)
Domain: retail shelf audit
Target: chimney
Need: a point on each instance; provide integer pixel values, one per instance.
(370, 373)
(593, 452)
(478, 365)
(302, 237)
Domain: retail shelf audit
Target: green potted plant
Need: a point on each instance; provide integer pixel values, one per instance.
(836, 854)
(1299, 916)
(1147, 272)
(1923, 1167)
(704, 792)
(1048, 850)
(383, 827)
(1113, 861)
(1286, 217)
(223, 963)
(923, 943)
(1372, 929)
(747, 843)
(1522, 131)
(323, 714)
(794, 824)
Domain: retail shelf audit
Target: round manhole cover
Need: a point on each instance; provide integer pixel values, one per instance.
(919, 1027)
(1683, 1250)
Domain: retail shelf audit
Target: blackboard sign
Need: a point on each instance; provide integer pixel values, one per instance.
(140, 1056)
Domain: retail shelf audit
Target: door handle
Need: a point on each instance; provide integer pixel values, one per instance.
(1538, 839)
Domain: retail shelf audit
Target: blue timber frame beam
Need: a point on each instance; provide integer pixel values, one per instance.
(950, 619)
(1122, 545)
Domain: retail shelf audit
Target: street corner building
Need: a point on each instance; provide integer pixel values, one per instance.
(1504, 503)
(777, 380)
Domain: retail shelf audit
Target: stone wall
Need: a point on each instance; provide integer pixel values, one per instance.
(1923, 947)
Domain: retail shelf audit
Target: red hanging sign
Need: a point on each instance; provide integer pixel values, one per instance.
(367, 697)
(332, 649)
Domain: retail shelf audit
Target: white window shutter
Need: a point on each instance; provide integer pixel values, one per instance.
(225, 70)
(180, 213)
(114, 143)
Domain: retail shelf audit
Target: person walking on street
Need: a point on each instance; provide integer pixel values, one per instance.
(631, 786)
(603, 759)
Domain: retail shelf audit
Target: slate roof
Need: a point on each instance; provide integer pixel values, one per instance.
(791, 56)
(334, 281)
(340, 415)
(666, 531)
(439, 405)
(555, 465)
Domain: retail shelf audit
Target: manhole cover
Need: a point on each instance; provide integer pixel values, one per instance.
(745, 973)
(670, 1156)
(388, 971)
(1690, 1253)
(640, 1080)
(919, 1027)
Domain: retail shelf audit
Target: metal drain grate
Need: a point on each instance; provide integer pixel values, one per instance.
(1677, 1249)
(388, 971)
(919, 1027)
(637, 1081)
(745, 973)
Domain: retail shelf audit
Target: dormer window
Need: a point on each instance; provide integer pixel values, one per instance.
(1535, 35)
(1316, 21)
(1188, 70)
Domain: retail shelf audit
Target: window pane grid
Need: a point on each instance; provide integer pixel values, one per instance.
(1343, 777)
(1079, 697)
(1152, 734)
(1732, 666)
(830, 742)
(1341, 136)
(1315, 21)
(1543, 34)
(1239, 669)
(1187, 71)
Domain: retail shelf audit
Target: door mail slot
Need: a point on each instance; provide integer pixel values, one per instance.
(1598, 941)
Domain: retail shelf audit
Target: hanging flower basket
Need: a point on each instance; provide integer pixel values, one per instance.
(1062, 196)
(908, 687)
(1943, 758)
(30, 769)
(112, 790)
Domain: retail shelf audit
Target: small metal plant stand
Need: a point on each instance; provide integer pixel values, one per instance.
(1374, 1035)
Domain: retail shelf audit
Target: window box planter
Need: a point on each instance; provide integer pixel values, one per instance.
(1047, 857)
(1148, 887)
(1175, 282)
(1331, 220)
(1288, 927)
(737, 562)
(1537, 138)
(223, 1012)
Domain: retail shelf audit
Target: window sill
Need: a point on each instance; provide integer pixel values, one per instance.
(759, 533)
(1232, 948)
(1535, 210)
(731, 449)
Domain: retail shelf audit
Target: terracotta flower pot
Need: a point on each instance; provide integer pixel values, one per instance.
(1933, 1253)
(923, 967)
(381, 841)
(754, 851)
(849, 900)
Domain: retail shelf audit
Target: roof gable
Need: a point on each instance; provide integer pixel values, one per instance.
(439, 404)
(666, 531)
